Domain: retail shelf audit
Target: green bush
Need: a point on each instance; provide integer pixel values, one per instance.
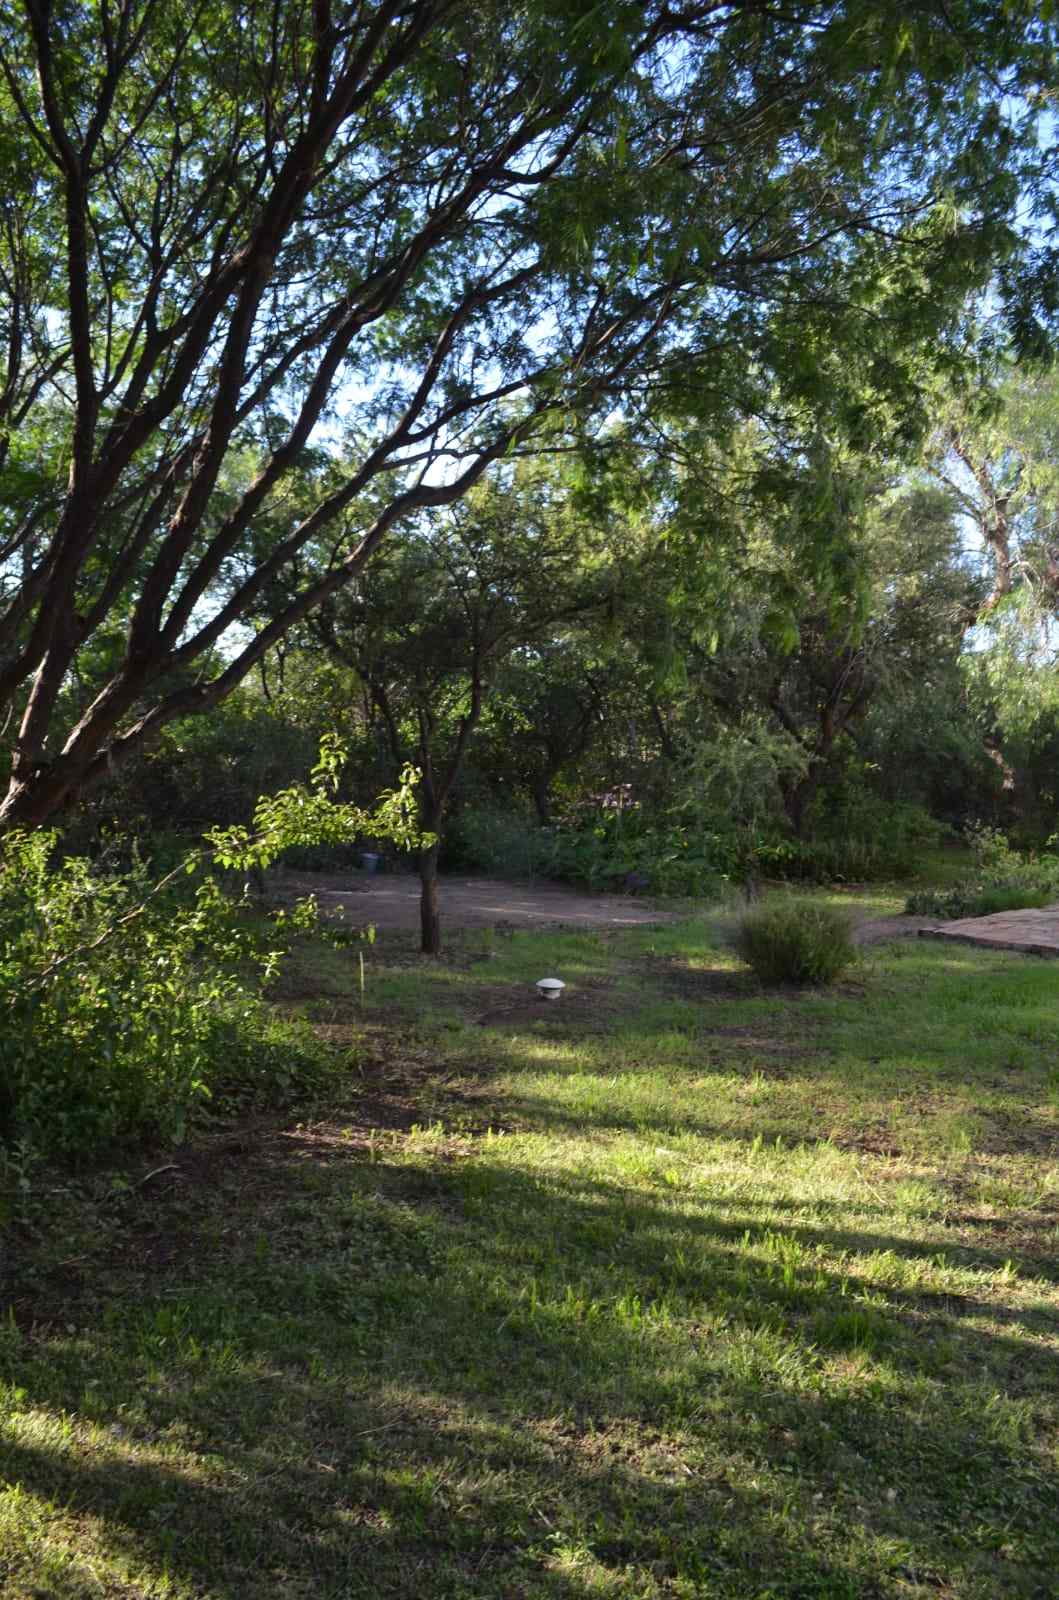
(122, 1016)
(597, 851)
(796, 941)
(126, 1005)
(855, 839)
(1002, 898)
(605, 847)
(599, 848)
(1004, 880)
(973, 899)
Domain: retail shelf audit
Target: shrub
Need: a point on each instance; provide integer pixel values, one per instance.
(504, 843)
(1004, 881)
(1002, 898)
(861, 840)
(598, 851)
(973, 899)
(796, 941)
(126, 1004)
(607, 846)
(122, 1016)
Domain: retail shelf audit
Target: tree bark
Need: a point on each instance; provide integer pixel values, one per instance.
(797, 795)
(429, 914)
(541, 791)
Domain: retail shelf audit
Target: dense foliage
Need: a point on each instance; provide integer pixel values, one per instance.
(277, 277)
(123, 1015)
(129, 1001)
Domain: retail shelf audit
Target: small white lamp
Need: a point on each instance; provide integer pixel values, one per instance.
(550, 988)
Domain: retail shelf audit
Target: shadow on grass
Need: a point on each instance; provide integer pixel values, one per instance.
(455, 1378)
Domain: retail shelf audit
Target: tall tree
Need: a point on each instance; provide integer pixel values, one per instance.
(548, 711)
(792, 632)
(233, 233)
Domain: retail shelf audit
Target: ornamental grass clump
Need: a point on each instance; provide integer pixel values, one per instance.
(796, 941)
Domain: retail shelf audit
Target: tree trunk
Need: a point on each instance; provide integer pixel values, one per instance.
(542, 801)
(796, 797)
(430, 920)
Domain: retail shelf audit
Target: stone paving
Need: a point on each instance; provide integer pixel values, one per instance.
(1033, 933)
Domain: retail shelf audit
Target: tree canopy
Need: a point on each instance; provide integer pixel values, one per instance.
(272, 274)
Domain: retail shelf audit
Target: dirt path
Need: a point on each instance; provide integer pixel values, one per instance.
(391, 901)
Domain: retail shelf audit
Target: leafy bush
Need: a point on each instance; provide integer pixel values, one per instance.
(694, 856)
(608, 846)
(506, 844)
(598, 851)
(1004, 880)
(121, 1015)
(126, 1005)
(1003, 897)
(973, 899)
(796, 941)
(857, 839)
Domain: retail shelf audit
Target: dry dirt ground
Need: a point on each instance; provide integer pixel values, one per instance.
(391, 901)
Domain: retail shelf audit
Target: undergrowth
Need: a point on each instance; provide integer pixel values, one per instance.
(1003, 879)
(123, 1014)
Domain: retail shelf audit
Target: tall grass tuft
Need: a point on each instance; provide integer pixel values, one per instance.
(796, 941)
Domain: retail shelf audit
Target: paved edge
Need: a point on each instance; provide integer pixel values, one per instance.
(1017, 947)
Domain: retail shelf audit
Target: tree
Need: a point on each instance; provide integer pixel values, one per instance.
(429, 624)
(548, 710)
(834, 578)
(232, 237)
(905, 627)
(997, 453)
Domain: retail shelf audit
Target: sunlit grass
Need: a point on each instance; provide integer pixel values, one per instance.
(678, 1288)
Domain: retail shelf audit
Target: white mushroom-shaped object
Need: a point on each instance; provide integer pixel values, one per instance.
(550, 988)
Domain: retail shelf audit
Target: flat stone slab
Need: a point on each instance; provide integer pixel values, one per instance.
(1031, 933)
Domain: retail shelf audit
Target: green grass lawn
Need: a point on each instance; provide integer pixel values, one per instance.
(680, 1287)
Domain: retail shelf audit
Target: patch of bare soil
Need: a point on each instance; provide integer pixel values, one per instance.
(763, 1053)
(391, 901)
(880, 930)
(869, 1142)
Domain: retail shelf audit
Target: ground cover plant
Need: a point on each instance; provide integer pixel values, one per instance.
(682, 1287)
